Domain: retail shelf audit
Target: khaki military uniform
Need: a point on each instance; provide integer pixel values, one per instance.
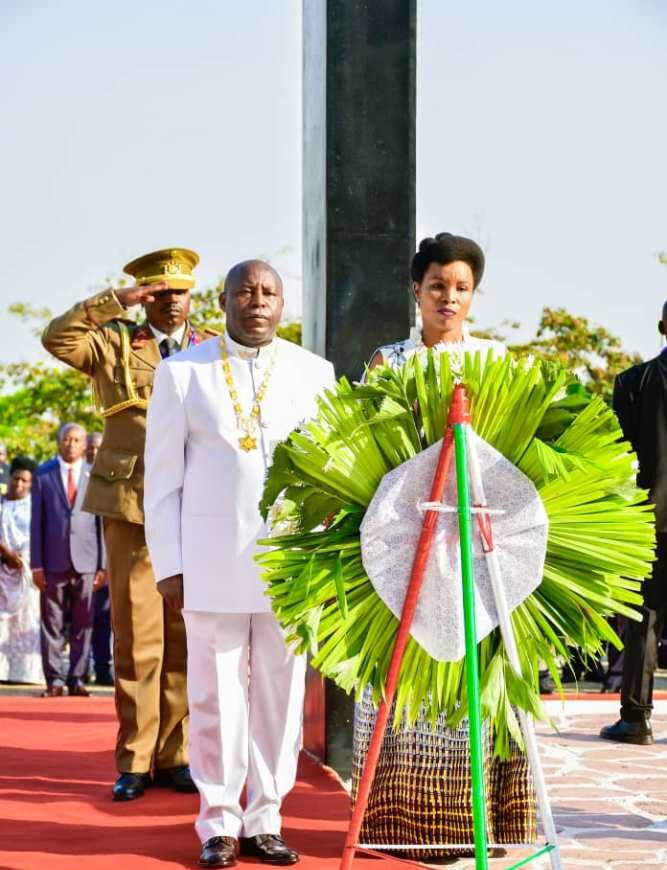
(149, 638)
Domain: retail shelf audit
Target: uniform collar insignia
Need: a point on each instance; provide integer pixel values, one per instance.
(144, 334)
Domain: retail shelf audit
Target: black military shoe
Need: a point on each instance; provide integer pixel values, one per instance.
(547, 685)
(269, 848)
(640, 732)
(177, 778)
(219, 852)
(129, 786)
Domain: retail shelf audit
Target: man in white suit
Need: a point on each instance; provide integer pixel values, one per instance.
(216, 413)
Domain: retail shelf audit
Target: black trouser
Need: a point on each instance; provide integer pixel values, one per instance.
(641, 641)
(102, 633)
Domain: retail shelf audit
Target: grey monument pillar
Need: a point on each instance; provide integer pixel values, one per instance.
(359, 66)
(358, 176)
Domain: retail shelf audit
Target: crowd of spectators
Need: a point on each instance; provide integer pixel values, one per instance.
(54, 601)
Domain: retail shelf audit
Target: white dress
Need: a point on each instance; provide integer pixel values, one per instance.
(20, 654)
(397, 354)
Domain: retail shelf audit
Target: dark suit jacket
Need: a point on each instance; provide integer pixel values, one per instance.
(50, 521)
(640, 402)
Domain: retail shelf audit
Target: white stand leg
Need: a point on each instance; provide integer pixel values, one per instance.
(505, 622)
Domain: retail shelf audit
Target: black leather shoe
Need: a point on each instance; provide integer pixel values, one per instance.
(53, 692)
(640, 732)
(269, 848)
(177, 778)
(78, 690)
(129, 786)
(547, 685)
(219, 852)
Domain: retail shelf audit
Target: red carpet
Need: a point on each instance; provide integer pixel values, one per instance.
(56, 766)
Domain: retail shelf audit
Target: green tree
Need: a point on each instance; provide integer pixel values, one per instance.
(594, 353)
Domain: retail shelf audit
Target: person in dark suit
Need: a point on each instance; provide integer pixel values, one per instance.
(640, 402)
(66, 561)
(101, 605)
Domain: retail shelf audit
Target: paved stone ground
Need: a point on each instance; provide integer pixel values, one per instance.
(609, 800)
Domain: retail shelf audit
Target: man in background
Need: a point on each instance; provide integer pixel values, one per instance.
(640, 402)
(101, 608)
(66, 561)
(93, 444)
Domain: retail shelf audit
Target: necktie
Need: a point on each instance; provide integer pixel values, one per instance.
(71, 487)
(168, 347)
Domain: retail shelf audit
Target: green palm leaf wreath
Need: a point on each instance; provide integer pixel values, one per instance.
(600, 542)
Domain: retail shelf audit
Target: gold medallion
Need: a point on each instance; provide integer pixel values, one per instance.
(246, 423)
(248, 443)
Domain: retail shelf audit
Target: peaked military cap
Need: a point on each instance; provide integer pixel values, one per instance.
(173, 265)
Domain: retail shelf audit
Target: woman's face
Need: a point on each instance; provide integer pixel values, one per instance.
(444, 296)
(19, 484)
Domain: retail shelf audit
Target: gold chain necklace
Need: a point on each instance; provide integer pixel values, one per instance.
(245, 423)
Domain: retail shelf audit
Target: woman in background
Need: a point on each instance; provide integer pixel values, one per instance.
(20, 654)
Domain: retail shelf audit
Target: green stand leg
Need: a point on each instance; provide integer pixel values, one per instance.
(472, 664)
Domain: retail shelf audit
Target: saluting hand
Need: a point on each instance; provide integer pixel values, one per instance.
(130, 296)
(171, 589)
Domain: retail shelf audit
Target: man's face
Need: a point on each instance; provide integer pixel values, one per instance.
(253, 305)
(72, 444)
(169, 310)
(92, 446)
(3, 453)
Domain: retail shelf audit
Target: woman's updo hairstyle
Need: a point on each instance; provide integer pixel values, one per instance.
(446, 248)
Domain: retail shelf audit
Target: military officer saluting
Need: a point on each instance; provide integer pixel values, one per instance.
(120, 357)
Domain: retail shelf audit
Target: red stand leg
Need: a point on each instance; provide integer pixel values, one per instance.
(458, 413)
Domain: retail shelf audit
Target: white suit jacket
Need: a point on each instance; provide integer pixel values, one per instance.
(86, 546)
(202, 492)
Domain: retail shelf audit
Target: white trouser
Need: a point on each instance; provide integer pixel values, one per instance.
(245, 691)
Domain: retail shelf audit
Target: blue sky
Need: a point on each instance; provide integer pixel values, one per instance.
(541, 131)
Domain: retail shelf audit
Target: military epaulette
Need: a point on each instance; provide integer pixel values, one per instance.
(117, 321)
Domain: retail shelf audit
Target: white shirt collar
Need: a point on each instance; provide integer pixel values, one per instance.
(234, 348)
(65, 466)
(75, 466)
(177, 336)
